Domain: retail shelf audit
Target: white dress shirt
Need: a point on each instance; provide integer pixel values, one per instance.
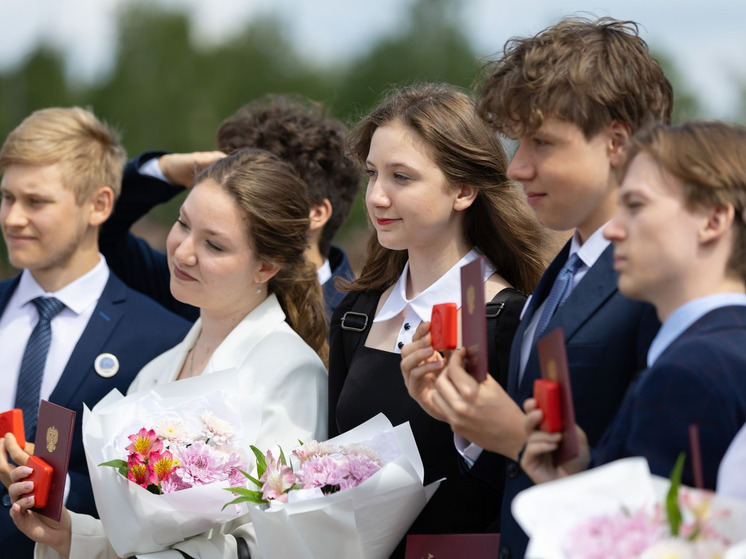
(20, 316)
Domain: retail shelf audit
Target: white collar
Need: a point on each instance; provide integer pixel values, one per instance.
(325, 272)
(447, 289)
(77, 295)
(592, 249)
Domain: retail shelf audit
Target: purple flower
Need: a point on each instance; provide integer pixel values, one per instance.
(200, 464)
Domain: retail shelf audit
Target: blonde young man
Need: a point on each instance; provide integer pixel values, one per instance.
(62, 169)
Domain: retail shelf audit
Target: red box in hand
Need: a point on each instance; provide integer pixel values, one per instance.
(42, 478)
(444, 326)
(11, 421)
(547, 396)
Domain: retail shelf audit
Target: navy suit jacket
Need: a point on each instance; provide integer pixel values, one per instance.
(126, 324)
(607, 337)
(700, 378)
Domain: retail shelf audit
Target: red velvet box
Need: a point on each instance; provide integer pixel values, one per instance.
(11, 421)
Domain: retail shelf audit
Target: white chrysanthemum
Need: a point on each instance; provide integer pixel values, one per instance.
(173, 430)
(219, 431)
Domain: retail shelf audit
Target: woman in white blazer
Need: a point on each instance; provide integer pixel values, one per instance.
(236, 251)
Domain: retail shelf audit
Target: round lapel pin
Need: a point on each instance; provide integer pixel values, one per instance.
(106, 365)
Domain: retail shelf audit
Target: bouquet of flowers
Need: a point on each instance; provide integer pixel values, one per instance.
(172, 455)
(620, 510)
(354, 496)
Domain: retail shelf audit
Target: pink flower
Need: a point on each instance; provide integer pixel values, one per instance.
(359, 468)
(143, 443)
(320, 471)
(199, 464)
(163, 464)
(278, 479)
(142, 474)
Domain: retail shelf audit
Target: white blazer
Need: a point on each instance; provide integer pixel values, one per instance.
(272, 360)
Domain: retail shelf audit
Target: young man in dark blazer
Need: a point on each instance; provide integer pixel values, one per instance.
(679, 239)
(571, 96)
(62, 169)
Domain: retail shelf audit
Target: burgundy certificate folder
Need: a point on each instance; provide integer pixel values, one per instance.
(474, 319)
(553, 365)
(452, 546)
(54, 437)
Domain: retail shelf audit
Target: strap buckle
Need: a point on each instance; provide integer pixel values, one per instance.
(498, 309)
(354, 321)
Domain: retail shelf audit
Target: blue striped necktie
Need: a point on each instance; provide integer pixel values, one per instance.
(559, 293)
(34, 359)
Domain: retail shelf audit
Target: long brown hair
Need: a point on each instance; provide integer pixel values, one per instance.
(499, 223)
(276, 205)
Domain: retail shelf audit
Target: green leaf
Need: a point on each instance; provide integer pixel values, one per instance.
(245, 496)
(672, 499)
(116, 463)
(251, 478)
(261, 461)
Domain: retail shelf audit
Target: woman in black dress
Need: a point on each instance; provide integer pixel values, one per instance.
(437, 197)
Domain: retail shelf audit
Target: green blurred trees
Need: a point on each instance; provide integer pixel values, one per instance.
(165, 93)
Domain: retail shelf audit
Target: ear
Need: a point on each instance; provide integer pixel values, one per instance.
(465, 196)
(718, 223)
(266, 272)
(320, 214)
(102, 204)
(619, 134)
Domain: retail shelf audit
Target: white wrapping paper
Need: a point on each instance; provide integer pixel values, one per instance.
(549, 511)
(365, 522)
(135, 520)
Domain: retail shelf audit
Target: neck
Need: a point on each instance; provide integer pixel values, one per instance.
(427, 267)
(673, 299)
(313, 255)
(54, 279)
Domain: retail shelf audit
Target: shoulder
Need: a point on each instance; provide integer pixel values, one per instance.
(139, 306)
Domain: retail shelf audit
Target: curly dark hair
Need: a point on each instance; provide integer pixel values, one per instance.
(298, 131)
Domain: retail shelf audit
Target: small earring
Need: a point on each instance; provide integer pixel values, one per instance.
(259, 289)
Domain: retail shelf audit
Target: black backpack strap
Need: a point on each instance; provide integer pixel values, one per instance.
(357, 321)
(494, 309)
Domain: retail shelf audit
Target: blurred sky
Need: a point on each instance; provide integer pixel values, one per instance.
(706, 40)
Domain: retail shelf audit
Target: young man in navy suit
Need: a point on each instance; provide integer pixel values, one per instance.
(295, 129)
(679, 240)
(572, 96)
(62, 169)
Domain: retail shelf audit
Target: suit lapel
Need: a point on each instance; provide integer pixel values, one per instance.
(598, 284)
(102, 323)
(538, 296)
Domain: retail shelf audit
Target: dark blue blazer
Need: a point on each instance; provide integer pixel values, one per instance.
(134, 329)
(340, 269)
(700, 378)
(607, 337)
(128, 255)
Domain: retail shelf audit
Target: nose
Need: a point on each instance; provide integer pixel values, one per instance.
(520, 168)
(13, 215)
(376, 195)
(614, 230)
(183, 250)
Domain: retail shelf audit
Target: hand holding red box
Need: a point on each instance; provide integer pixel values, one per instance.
(547, 396)
(11, 421)
(444, 326)
(42, 478)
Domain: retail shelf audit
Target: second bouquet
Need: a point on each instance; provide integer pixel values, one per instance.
(353, 496)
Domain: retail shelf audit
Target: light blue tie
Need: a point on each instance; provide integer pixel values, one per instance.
(34, 359)
(559, 293)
